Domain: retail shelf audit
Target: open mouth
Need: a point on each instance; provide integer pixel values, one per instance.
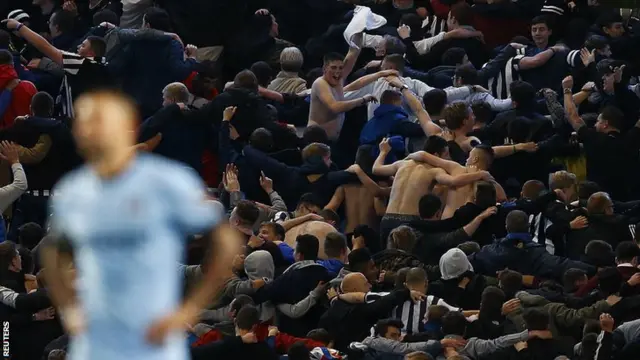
(336, 77)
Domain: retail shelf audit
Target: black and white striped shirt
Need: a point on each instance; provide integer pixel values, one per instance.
(554, 7)
(412, 314)
(82, 74)
(434, 25)
(499, 85)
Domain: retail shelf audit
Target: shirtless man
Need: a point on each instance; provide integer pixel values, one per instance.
(328, 103)
(480, 159)
(413, 180)
(317, 227)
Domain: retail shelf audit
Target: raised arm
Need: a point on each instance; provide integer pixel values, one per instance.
(350, 62)
(325, 95)
(428, 126)
(379, 168)
(569, 106)
(368, 79)
(37, 41)
(371, 185)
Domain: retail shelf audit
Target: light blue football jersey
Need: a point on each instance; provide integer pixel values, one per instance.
(128, 233)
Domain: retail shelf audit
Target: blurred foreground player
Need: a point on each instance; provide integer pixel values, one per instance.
(122, 220)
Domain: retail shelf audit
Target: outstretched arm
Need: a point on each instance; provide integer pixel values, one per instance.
(379, 168)
(425, 157)
(459, 180)
(35, 40)
(350, 62)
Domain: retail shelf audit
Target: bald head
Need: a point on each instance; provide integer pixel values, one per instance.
(355, 282)
(105, 123)
(599, 204)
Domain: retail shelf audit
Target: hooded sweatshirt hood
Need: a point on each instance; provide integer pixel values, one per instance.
(259, 266)
(454, 263)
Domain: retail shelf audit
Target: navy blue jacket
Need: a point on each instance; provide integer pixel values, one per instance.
(306, 276)
(388, 120)
(519, 253)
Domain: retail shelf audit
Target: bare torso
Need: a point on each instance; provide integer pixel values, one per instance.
(412, 181)
(359, 207)
(318, 229)
(456, 197)
(321, 115)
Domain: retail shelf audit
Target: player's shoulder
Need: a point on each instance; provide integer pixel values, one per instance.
(75, 181)
(166, 172)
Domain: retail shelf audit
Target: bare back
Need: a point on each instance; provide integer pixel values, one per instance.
(359, 207)
(318, 229)
(412, 181)
(456, 197)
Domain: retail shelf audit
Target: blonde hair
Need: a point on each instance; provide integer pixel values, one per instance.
(562, 180)
(177, 92)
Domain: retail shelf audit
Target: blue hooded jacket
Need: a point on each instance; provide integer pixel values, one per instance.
(385, 118)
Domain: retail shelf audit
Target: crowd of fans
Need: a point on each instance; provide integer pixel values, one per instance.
(415, 179)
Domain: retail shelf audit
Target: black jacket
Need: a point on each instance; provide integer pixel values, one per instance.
(306, 276)
(613, 229)
(60, 158)
(352, 322)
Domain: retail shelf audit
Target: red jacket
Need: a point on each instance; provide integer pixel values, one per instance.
(21, 96)
(283, 341)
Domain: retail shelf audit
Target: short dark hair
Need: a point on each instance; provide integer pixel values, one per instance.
(429, 205)
(454, 323)
(609, 280)
(401, 277)
(298, 351)
(320, 335)
(542, 19)
(536, 319)
(263, 72)
(463, 13)
(330, 215)
(482, 111)
(63, 20)
(434, 101)
(599, 253)
(397, 60)
(8, 251)
(315, 134)
(596, 42)
(6, 58)
(246, 79)
(30, 234)
(27, 259)
(261, 139)
(358, 259)
(239, 302)
(248, 212)
(332, 56)
(247, 317)
(510, 282)
(570, 277)
(435, 145)
(613, 116)
(315, 150)
(335, 244)
(42, 104)
(308, 246)
(309, 199)
(467, 73)
(383, 325)
(276, 228)
(523, 93)
(158, 19)
(390, 96)
(485, 194)
(453, 56)
(98, 45)
(105, 15)
(491, 302)
(626, 251)
(488, 151)
(517, 222)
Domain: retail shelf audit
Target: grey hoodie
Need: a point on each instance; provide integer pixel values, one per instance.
(259, 266)
(385, 345)
(476, 348)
